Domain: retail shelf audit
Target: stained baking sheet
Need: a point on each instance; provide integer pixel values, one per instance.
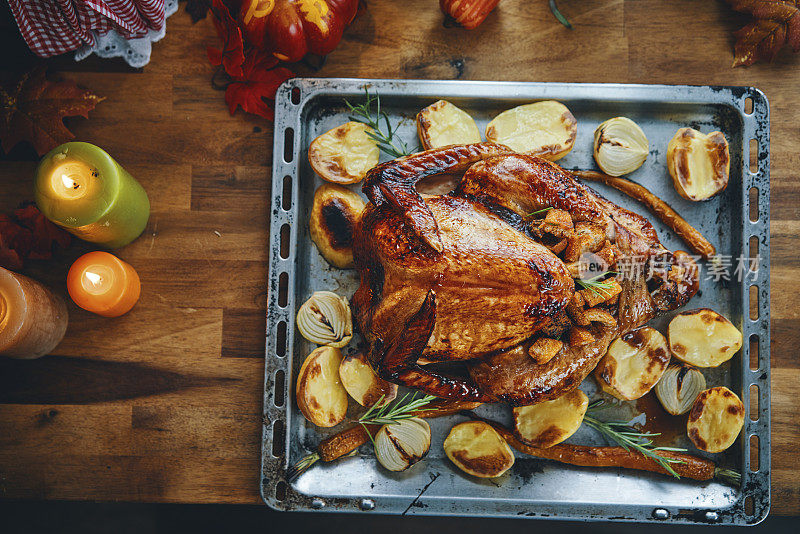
(736, 222)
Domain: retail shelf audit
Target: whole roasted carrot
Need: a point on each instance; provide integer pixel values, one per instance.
(690, 466)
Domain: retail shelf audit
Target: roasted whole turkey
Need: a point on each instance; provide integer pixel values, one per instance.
(472, 295)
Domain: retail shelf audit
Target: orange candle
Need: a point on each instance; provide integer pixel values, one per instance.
(103, 284)
(32, 318)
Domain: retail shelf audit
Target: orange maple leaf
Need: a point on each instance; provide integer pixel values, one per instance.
(33, 108)
(775, 23)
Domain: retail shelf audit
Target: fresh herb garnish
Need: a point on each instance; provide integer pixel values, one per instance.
(302, 465)
(629, 438)
(383, 414)
(537, 212)
(378, 414)
(385, 138)
(596, 285)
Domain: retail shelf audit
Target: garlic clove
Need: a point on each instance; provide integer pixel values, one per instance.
(325, 319)
(400, 445)
(620, 146)
(679, 387)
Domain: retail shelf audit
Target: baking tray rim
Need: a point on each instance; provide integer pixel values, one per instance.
(754, 125)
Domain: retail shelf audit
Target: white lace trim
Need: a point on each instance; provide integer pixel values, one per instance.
(136, 52)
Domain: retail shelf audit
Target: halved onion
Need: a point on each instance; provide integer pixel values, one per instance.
(325, 319)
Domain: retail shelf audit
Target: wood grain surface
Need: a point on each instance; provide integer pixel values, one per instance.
(164, 404)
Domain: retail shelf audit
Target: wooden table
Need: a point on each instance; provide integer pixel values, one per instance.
(164, 403)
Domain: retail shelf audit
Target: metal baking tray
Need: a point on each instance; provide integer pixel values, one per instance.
(734, 221)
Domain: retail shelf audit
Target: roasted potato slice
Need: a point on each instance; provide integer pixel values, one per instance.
(443, 123)
(344, 154)
(361, 382)
(320, 395)
(550, 422)
(477, 449)
(546, 129)
(703, 338)
(334, 216)
(633, 364)
(698, 163)
(716, 419)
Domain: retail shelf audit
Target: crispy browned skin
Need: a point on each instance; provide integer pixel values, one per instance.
(460, 277)
(696, 241)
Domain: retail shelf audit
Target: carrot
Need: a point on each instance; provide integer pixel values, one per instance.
(696, 241)
(692, 467)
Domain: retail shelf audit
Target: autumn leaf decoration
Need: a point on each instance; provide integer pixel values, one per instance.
(32, 109)
(775, 23)
(27, 234)
(250, 76)
(231, 56)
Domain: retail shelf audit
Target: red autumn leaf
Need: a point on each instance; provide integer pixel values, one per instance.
(260, 80)
(232, 54)
(28, 234)
(775, 23)
(33, 108)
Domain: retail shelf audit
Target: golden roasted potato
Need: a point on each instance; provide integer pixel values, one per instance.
(716, 419)
(334, 216)
(551, 422)
(345, 154)
(361, 382)
(443, 123)
(703, 338)
(698, 163)
(633, 364)
(320, 395)
(546, 129)
(477, 449)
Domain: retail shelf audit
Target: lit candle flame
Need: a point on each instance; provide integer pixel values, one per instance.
(68, 182)
(94, 278)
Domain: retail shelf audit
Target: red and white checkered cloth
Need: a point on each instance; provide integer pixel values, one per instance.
(52, 27)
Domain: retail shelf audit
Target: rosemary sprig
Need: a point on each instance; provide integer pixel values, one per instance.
(302, 465)
(378, 414)
(629, 438)
(537, 212)
(595, 285)
(383, 414)
(558, 15)
(384, 137)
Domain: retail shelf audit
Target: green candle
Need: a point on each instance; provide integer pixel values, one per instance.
(82, 189)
